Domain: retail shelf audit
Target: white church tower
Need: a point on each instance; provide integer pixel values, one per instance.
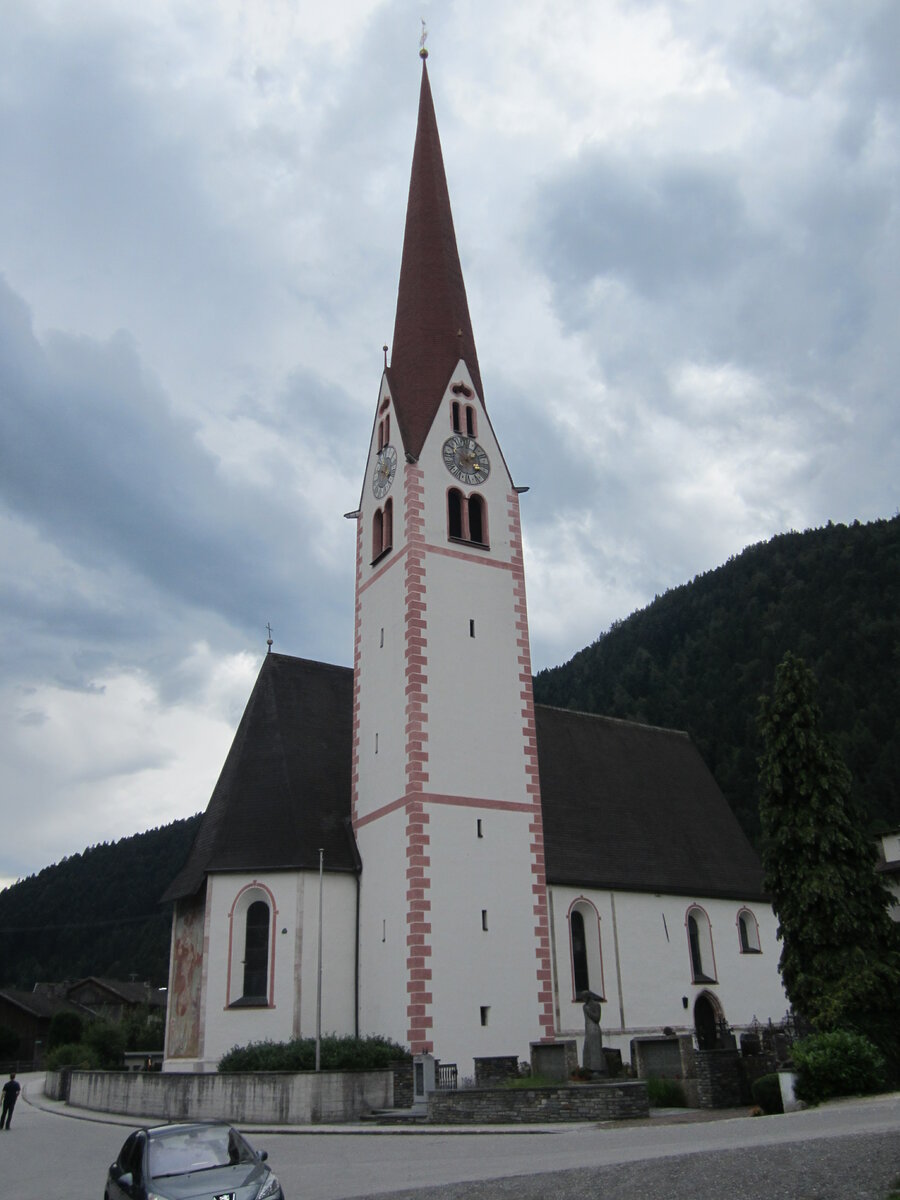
(454, 936)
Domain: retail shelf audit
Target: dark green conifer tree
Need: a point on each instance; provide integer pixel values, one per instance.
(839, 959)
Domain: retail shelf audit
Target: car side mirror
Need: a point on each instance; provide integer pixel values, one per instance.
(126, 1180)
(263, 1155)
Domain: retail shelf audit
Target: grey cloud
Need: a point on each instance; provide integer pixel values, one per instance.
(655, 227)
(93, 455)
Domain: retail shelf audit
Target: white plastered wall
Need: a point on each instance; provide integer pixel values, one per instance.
(293, 961)
(475, 967)
(647, 964)
(382, 938)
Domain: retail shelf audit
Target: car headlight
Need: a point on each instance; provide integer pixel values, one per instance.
(270, 1188)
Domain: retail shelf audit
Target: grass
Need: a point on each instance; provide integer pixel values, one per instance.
(531, 1081)
(665, 1093)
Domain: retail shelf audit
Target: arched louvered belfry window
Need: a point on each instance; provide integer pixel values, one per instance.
(455, 513)
(477, 531)
(256, 952)
(467, 517)
(388, 525)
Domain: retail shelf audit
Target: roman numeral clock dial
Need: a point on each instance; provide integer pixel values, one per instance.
(385, 470)
(466, 460)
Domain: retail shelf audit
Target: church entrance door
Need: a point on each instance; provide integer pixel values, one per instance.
(706, 1015)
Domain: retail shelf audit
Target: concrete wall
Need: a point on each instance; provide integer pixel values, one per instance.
(288, 1099)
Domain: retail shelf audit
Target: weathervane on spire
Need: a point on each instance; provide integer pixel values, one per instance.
(269, 638)
(423, 53)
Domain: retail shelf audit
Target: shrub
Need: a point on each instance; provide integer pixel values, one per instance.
(337, 1054)
(665, 1093)
(70, 1054)
(107, 1042)
(839, 1063)
(767, 1093)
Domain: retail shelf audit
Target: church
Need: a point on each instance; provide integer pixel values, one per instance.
(413, 847)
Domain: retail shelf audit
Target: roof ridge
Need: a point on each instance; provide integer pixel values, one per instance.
(580, 712)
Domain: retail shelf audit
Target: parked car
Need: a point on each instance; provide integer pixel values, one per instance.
(204, 1161)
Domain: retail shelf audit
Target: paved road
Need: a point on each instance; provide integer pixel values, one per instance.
(844, 1151)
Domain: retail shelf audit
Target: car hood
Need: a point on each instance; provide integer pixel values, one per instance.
(243, 1180)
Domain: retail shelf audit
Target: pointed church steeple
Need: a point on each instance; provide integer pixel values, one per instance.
(432, 329)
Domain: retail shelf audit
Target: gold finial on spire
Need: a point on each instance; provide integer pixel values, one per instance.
(269, 638)
(423, 53)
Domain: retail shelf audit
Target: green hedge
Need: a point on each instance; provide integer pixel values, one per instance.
(299, 1054)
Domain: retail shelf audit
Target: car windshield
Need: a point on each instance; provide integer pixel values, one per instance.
(201, 1149)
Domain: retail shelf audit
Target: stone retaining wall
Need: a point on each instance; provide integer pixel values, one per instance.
(568, 1102)
(720, 1082)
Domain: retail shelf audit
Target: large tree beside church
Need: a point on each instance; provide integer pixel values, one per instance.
(840, 960)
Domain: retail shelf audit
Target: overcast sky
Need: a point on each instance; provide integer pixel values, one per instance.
(679, 225)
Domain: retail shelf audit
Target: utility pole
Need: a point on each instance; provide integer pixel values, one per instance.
(319, 971)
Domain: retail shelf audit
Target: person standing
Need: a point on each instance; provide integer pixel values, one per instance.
(11, 1091)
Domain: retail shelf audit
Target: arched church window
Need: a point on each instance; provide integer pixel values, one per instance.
(377, 533)
(256, 952)
(454, 417)
(250, 947)
(584, 945)
(471, 429)
(703, 963)
(748, 932)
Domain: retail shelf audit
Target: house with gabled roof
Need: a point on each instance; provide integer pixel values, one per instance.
(413, 847)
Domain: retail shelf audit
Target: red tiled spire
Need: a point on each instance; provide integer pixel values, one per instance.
(432, 329)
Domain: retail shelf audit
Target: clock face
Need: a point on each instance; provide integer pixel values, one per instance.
(465, 459)
(385, 470)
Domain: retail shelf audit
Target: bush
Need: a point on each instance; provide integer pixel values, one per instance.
(766, 1093)
(106, 1040)
(665, 1093)
(839, 1063)
(337, 1054)
(70, 1054)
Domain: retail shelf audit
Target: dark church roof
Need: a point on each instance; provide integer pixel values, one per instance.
(432, 328)
(635, 808)
(284, 790)
(626, 806)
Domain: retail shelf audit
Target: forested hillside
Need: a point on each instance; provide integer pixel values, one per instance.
(96, 913)
(699, 657)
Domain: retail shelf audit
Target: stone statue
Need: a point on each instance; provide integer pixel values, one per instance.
(593, 1058)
